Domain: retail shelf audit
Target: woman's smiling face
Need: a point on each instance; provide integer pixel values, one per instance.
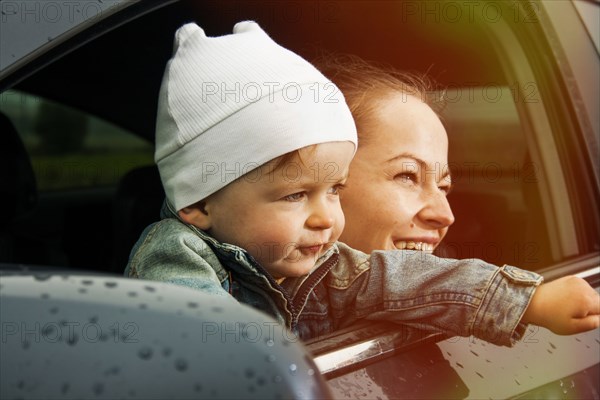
(396, 190)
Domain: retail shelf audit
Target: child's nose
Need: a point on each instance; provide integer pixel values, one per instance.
(321, 216)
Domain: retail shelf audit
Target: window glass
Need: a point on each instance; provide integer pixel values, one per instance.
(495, 200)
(71, 149)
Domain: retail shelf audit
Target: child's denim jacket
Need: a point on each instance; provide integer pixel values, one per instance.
(457, 297)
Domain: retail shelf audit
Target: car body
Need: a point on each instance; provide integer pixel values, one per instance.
(79, 83)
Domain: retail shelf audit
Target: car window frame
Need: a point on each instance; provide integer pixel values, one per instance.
(76, 37)
(518, 44)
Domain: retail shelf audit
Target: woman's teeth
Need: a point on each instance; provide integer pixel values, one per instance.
(410, 245)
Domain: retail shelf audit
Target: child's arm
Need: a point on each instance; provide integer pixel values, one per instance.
(565, 306)
(457, 297)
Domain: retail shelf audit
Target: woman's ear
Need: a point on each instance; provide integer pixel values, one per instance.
(196, 215)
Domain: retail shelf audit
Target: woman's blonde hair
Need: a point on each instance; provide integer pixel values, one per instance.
(365, 84)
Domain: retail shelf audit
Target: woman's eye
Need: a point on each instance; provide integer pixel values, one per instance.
(406, 177)
(295, 196)
(446, 189)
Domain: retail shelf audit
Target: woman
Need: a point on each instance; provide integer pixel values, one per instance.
(395, 196)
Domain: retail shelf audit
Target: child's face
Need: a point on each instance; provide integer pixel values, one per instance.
(285, 218)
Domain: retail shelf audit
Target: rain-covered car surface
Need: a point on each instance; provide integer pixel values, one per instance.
(78, 84)
(83, 336)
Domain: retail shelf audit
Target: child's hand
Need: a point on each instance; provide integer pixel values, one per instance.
(565, 306)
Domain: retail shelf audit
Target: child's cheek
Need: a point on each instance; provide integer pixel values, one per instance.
(339, 224)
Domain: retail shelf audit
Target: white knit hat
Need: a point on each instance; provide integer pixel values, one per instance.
(229, 104)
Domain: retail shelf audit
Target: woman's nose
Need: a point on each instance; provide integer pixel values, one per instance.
(437, 212)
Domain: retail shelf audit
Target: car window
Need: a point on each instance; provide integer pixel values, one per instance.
(69, 148)
(495, 181)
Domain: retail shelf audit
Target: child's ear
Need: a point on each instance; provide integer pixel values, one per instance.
(196, 215)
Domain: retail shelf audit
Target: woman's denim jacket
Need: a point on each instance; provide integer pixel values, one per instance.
(457, 297)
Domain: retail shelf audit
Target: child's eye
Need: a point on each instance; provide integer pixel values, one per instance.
(295, 196)
(335, 190)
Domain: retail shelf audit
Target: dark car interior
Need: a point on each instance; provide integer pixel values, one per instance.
(116, 77)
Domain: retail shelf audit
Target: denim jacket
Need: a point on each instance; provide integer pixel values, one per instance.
(457, 297)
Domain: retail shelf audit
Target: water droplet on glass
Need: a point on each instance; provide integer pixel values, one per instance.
(192, 304)
(110, 285)
(87, 282)
(45, 296)
(41, 277)
(72, 339)
(82, 290)
(552, 345)
(476, 355)
(181, 365)
(249, 373)
(64, 388)
(198, 387)
(167, 352)
(293, 368)
(217, 309)
(270, 342)
(270, 358)
(53, 310)
(459, 364)
(132, 294)
(310, 372)
(277, 379)
(48, 330)
(112, 371)
(145, 353)
(481, 376)
(98, 388)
